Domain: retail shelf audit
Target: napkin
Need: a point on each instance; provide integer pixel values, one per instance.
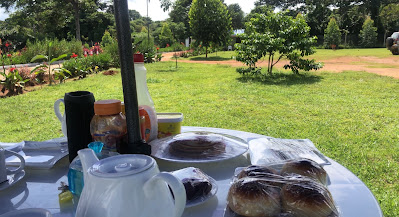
(36, 154)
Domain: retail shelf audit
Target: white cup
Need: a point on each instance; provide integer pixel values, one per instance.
(4, 171)
(61, 117)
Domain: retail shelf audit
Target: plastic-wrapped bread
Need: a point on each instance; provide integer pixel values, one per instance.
(304, 197)
(305, 167)
(254, 197)
(256, 171)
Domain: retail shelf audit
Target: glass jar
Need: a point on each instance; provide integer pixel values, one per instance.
(109, 125)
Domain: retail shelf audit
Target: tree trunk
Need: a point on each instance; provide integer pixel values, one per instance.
(385, 38)
(75, 4)
(206, 52)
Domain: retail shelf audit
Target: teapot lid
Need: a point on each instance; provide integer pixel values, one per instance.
(121, 165)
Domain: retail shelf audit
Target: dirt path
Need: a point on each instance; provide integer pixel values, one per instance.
(386, 66)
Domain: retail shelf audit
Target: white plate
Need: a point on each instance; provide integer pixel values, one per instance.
(30, 212)
(11, 180)
(234, 148)
(192, 172)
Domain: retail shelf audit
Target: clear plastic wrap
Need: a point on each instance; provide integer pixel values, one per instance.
(198, 147)
(199, 186)
(273, 150)
(270, 191)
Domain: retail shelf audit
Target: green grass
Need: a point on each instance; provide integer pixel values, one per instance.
(351, 117)
(321, 54)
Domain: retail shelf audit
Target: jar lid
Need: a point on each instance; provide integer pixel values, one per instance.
(138, 57)
(169, 117)
(107, 107)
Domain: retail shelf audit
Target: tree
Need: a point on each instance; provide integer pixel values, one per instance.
(389, 16)
(134, 15)
(166, 36)
(237, 16)
(332, 35)
(277, 34)
(368, 34)
(179, 14)
(210, 23)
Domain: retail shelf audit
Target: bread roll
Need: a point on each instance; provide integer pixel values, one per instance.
(254, 197)
(307, 168)
(307, 198)
(255, 171)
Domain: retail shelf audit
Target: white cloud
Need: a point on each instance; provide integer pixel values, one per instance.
(3, 14)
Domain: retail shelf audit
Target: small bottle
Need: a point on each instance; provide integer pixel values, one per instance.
(109, 125)
(146, 105)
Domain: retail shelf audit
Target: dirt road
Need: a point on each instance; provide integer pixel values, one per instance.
(382, 66)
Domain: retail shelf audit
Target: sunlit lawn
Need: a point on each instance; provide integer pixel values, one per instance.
(351, 117)
(321, 54)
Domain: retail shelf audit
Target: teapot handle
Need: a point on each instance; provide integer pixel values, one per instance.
(177, 187)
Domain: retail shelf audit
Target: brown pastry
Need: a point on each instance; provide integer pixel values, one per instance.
(254, 197)
(196, 187)
(307, 168)
(255, 171)
(307, 198)
(197, 146)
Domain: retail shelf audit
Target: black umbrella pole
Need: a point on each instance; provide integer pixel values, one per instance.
(135, 144)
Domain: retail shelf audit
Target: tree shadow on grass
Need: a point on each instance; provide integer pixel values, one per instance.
(213, 58)
(282, 79)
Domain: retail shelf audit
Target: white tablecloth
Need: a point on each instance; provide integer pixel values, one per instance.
(38, 189)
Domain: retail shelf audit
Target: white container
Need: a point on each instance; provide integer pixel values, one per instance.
(144, 99)
(169, 124)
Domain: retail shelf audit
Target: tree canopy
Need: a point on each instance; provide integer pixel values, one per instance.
(210, 22)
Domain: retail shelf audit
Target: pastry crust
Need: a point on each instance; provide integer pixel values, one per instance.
(197, 146)
(305, 167)
(307, 198)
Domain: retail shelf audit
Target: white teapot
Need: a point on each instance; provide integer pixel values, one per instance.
(128, 185)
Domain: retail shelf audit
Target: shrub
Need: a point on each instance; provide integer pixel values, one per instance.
(332, 35)
(84, 66)
(12, 81)
(58, 48)
(113, 51)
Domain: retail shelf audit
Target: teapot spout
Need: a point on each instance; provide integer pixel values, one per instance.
(88, 158)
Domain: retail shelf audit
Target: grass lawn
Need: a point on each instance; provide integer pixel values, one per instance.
(320, 55)
(351, 117)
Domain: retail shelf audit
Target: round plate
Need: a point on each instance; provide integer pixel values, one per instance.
(12, 179)
(31, 212)
(234, 147)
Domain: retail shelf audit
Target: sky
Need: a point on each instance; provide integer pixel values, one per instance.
(155, 11)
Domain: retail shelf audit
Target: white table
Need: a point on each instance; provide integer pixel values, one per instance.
(38, 189)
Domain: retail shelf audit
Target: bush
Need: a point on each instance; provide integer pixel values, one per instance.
(58, 48)
(113, 51)
(82, 66)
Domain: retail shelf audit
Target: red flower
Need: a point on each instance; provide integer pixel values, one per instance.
(7, 44)
(9, 55)
(12, 69)
(199, 46)
(167, 45)
(157, 48)
(74, 55)
(85, 55)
